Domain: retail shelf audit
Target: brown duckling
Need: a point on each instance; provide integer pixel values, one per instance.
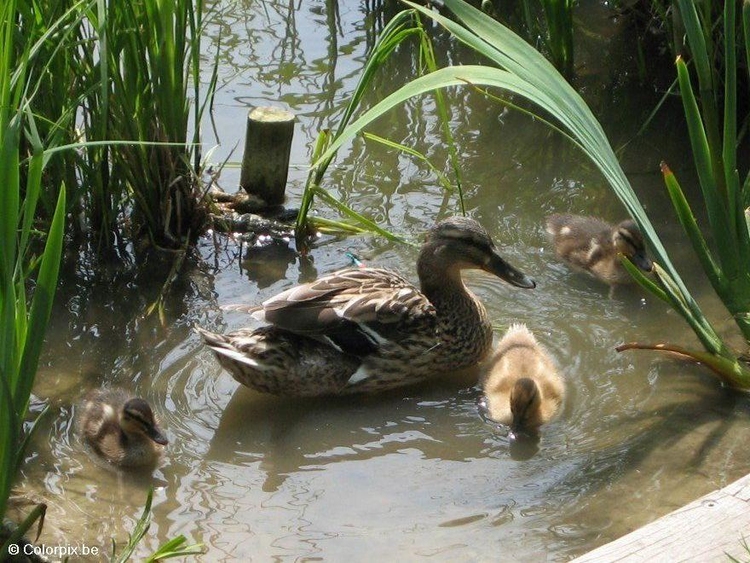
(522, 387)
(121, 429)
(593, 245)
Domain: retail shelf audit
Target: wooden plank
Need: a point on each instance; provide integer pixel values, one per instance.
(708, 529)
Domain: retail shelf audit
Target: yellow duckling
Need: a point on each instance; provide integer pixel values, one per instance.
(592, 245)
(121, 428)
(522, 387)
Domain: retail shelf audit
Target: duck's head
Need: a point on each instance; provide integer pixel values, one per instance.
(459, 243)
(628, 240)
(525, 403)
(137, 418)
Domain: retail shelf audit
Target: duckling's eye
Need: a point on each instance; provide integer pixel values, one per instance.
(628, 239)
(138, 418)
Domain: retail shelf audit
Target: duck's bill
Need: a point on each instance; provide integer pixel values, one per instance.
(642, 261)
(503, 270)
(157, 436)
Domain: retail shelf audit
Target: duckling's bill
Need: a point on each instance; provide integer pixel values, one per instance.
(642, 261)
(157, 435)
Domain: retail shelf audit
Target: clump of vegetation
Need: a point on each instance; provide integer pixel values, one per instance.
(55, 63)
(132, 97)
(151, 73)
(23, 258)
(404, 27)
(726, 192)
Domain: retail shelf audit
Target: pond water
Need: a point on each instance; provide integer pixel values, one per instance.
(414, 473)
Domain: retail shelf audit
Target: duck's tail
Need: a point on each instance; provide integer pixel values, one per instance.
(272, 360)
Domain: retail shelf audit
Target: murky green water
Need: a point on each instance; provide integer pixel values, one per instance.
(417, 472)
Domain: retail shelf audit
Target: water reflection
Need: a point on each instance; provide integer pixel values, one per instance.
(266, 265)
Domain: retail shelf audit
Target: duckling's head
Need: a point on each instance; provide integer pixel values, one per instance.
(525, 403)
(628, 240)
(136, 418)
(459, 243)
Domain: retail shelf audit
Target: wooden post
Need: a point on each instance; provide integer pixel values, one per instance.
(265, 163)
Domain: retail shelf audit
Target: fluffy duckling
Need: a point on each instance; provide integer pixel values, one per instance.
(121, 428)
(592, 245)
(522, 387)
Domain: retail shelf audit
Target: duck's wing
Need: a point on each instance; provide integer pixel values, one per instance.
(354, 309)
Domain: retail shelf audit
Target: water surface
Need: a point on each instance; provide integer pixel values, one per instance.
(416, 472)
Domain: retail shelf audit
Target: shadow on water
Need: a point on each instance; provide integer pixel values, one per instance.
(677, 441)
(287, 435)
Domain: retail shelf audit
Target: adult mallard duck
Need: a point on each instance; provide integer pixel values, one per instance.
(121, 429)
(593, 245)
(368, 329)
(522, 387)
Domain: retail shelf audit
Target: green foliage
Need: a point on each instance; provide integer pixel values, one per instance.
(714, 141)
(168, 550)
(23, 316)
(559, 17)
(129, 72)
(149, 71)
(399, 30)
(715, 144)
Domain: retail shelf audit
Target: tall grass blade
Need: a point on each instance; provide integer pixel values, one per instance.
(717, 212)
(41, 304)
(36, 515)
(395, 32)
(689, 224)
(428, 55)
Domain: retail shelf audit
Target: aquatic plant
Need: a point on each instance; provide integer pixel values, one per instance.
(726, 193)
(168, 550)
(53, 26)
(124, 78)
(151, 73)
(23, 313)
(403, 27)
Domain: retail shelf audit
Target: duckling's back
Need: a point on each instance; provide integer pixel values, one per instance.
(576, 237)
(517, 356)
(100, 411)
